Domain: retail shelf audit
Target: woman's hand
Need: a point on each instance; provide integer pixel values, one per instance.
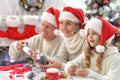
(53, 64)
(71, 70)
(82, 72)
(20, 44)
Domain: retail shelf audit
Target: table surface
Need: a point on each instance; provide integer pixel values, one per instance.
(4, 75)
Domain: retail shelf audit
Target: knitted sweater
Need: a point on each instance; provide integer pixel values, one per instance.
(71, 48)
(110, 65)
(49, 48)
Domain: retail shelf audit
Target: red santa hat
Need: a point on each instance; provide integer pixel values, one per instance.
(72, 14)
(102, 27)
(51, 16)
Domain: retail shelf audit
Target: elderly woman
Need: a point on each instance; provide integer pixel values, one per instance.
(71, 25)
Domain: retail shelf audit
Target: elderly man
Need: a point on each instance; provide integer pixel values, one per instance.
(46, 42)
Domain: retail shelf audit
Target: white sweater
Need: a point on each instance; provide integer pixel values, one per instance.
(71, 48)
(49, 48)
(110, 65)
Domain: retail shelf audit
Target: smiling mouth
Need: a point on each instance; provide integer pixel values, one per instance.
(91, 41)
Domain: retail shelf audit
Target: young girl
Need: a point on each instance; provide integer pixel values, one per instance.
(98, 61)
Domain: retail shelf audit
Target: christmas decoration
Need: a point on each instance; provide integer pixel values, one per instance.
(104, 28)
(96, 7)
(12, 33)
(113, 16)
(3, 34)
(31, 5)
(53, 16)
(30, 22)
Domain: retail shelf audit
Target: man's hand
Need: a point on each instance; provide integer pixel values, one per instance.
(20, 44)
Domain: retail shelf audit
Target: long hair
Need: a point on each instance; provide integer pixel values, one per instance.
(87, 60)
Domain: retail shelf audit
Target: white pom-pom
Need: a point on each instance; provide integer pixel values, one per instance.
(58, 33)
(100, 48)
(82, 33)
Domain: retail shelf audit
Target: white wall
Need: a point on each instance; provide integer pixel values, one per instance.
(11, 7)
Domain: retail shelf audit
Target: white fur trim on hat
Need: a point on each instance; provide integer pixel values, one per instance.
(12, 21)
(48, 17)
(58, 33)
(68, 16)
(30, 19)
(100, 48)
(94, 24)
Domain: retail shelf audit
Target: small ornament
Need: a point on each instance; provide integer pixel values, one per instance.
(118, 23)
(41, 58)
(95, 6)
(105, 2)
(31, 75)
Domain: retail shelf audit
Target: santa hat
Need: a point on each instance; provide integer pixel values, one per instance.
(51, 16)
(102, 27)
(72, 14)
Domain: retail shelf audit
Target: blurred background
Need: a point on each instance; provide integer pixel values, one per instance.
(109, 9)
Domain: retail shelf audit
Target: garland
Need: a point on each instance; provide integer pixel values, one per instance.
(31, 5)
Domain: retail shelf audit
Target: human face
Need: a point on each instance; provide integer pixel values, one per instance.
(67, 27)
(93, 38)
(47, 30)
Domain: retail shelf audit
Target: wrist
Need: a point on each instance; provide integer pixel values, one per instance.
(62, 66)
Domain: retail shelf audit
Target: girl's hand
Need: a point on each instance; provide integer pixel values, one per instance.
(82, 72)
(71, 70)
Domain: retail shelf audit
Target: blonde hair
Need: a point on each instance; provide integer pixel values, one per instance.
(88, 53)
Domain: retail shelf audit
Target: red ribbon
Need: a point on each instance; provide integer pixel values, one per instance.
(10, 67)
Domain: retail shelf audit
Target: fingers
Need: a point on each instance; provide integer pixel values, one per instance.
(48, 66)
(33, 54)
(50, 61)
(81, 72)
(20, 44)
(71, 70)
